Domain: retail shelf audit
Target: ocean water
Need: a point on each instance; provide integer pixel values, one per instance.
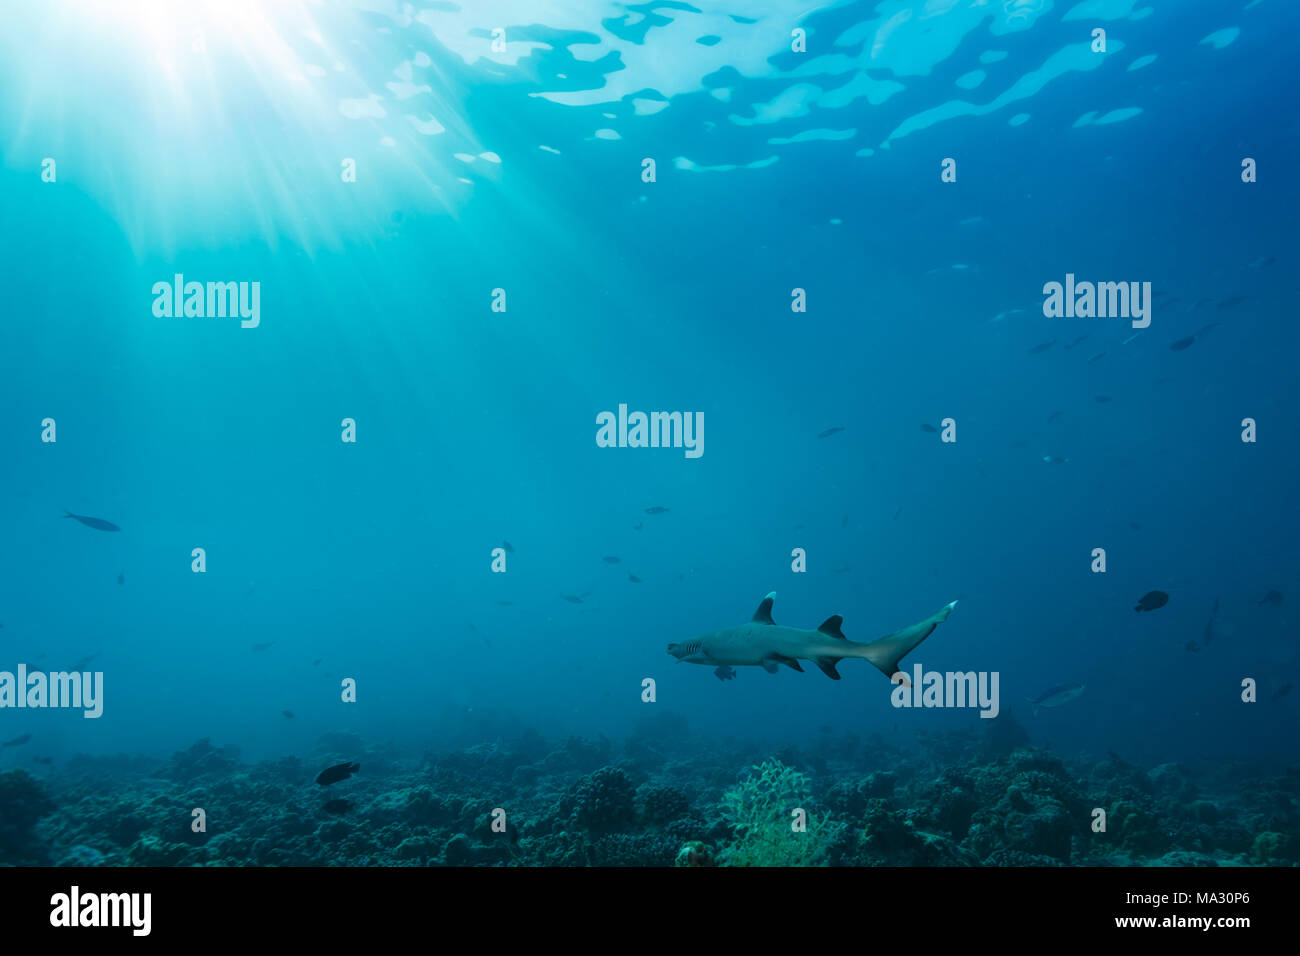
(475, 227)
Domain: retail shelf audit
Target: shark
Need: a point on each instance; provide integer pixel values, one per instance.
(766, 644)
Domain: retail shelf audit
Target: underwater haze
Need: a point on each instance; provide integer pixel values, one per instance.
(392, 383)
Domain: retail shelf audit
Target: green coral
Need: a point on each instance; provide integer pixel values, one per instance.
(759, 811)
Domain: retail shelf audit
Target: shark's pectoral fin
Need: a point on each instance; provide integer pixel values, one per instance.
(892, 648)
(831, 627)
(768, 665)
(827, 664)
(787, 661)
(764, 613)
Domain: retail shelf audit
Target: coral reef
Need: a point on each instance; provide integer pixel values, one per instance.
(661, 797)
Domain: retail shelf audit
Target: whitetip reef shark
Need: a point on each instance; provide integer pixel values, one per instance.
(765, 643)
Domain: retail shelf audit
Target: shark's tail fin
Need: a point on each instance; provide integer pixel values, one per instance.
(889, 650)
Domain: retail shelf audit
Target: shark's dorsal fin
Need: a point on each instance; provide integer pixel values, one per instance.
(764, 613)
(831, 627)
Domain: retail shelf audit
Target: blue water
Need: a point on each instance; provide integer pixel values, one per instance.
(210, 141)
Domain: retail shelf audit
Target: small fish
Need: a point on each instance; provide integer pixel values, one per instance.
(656, 510)
(1057, 696)
(337, 806)
(725, 672)
(17, 741)
(44, 760)
(1005, 315)
(929, 428)
(638, 526)
(1283, 690)
(1192, 646)
(99, 524)
(121, 577)
(1019, 443)
(844, 521)
(1263, 263)
(508, 546)
(1054, 460)
(610, 559)
(506, 603)
(1096, 357)
(340, 771)
(1201, 302)
(844, 570)
(263, 646)
(1135, 525)
(1233, 301)
(1184, 343)
(316, 662)
(1041, 347)
(1102, 399)
(835, 429)
(1272, 597)
(1132, 337)
(572, 599)
(1152, 600)
(633, 578)
(81, 663)
(287, 713)
(1079, 340)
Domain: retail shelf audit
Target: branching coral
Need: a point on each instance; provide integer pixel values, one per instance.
(761, 810)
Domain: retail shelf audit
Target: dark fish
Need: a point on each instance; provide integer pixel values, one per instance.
(1208, 634)
(44, 760)
(834, 429)
(316, 662)
(81, 663)
(1283, 690)
(1233, 302)
(1192, 646)
(508, 546)
(610, 559)
(638, 526)
(929, 428)
(571, 598)
(844, 521)
(506, 603)
(1136, 526)
(1077, 341)
(633, 578)
(724, 672)
(1055, 460)
(1102, 399)
(1042, 347)
(656, 510)
(1170, 301)
(1053, 416)
(99, 524)
(1201, 302)
(1096, 357)
(1183, 343)
(897, 513)
(337, 806)
(844, 570)
(263, 646)
(121, 577)
(1263, 263)
(1152, 600)
(1272, 597)
(340, 771)
(1205, 328)
(1018, 444)
(287, 713)
(17, 741)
